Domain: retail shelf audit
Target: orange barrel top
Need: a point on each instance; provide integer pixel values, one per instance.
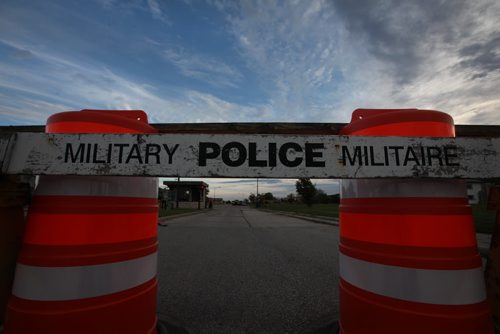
(99, 121)
(399, 122)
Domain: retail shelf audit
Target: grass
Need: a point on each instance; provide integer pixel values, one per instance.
(173, 212)
(483, 219)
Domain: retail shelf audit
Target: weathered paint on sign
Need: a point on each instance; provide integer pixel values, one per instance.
(271, 156)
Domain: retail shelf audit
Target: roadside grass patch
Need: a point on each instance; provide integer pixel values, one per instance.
(484, 219)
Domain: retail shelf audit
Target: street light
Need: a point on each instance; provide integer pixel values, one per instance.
(214, 192)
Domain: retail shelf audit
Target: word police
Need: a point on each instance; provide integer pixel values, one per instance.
(289, 154)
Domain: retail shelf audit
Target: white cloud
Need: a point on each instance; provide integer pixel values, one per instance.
(203, 67)
(416, 56)
(296, 49)
(320, 60)
(154, 7)
(128, 7)
(75, 85)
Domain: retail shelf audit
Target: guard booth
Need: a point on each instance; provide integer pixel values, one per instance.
(246, 151)
(187, 194)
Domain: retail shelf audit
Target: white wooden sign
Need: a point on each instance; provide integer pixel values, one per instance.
(263, 156)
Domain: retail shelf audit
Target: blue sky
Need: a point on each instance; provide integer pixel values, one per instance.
(249, 61)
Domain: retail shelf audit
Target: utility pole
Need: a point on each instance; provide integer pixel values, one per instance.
(215, 188)
(177, 192)
(257, 199)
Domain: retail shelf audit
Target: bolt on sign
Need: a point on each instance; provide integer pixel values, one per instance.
(273, 156)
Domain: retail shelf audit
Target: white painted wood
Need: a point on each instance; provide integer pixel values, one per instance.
(328, 156)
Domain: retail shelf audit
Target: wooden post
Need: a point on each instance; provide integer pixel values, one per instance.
(492, 271)
(14, 195)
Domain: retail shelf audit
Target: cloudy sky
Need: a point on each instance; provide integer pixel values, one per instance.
(249, 61)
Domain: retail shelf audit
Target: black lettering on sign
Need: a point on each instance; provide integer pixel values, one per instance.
(365, 155)
(70, 155)
(396, 150)
(422, 155)
(272, 154)
(152, 150)
(120, 151)
(413, 157)
(346, 156)
(170, 152)
(93, 153)
(234, 147)
(89, 146)
(252, 156)
(372, 158)
(400, 156)
(284, 154)
(94, 156)
(434, 153)
(134, 153)
(207, 151)
(450, 152)
(110, 151)
(312, 154)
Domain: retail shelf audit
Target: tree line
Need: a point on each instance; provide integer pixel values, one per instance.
(307, 192)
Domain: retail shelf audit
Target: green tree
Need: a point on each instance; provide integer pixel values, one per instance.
(306, 189)
(321, 197)
(252, 198)
(268, 197)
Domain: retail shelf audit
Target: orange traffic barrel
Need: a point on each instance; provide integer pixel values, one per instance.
(89, 256)
(408, 256)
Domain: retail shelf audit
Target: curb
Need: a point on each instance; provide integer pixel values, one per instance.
(313, 219)
(168, 218)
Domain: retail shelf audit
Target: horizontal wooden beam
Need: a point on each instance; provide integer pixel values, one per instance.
(250, 155)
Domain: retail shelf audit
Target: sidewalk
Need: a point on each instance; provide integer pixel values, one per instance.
(162, 221)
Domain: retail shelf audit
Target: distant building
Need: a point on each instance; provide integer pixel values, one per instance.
(187, 194)
(218, 200)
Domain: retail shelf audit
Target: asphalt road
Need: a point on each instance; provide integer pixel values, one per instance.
(239, 270)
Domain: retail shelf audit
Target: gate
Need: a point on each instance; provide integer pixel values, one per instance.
(241, 150)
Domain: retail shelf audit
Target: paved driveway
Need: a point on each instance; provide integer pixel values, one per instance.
(239, 270)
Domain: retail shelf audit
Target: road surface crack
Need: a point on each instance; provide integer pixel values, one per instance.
(245, 219)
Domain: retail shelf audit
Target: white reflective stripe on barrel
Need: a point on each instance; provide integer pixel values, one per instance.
(70, 283)
(443, 287)
(115, 186)
(372, 188)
